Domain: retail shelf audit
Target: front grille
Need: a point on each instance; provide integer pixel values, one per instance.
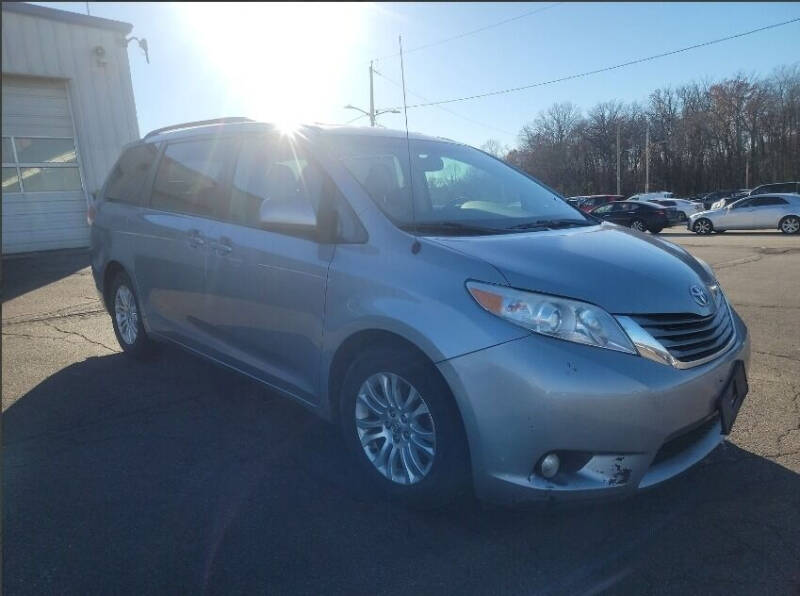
(689, 337)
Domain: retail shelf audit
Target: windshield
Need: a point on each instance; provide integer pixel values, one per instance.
(454, 186)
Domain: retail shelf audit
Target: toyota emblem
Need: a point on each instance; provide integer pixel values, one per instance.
(699, 295)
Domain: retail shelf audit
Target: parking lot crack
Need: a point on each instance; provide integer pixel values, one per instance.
(78, 334)
(792, 358)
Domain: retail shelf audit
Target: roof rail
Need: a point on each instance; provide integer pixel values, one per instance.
(227, 120)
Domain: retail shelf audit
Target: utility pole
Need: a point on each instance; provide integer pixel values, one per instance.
(618, 150)
(371, 98)
(647, 159)
(373, 113)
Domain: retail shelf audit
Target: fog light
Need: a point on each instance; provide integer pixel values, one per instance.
(549, 465)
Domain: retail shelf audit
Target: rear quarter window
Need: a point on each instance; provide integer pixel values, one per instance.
(127, 178)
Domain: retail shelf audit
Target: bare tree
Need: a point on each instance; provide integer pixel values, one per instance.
(704, 136)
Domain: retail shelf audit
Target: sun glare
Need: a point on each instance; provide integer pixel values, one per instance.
(280, 62)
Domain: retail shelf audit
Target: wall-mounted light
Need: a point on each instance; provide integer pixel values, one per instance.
(100, 55)
(142, 45)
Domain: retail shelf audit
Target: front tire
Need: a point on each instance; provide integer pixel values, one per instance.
(703, 226)
(790, 224)
(127, 320)
(402, 425)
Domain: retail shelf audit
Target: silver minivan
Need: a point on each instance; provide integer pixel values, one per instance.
(461, 323)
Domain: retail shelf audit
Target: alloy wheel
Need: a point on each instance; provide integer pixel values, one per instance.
(702, 226)
(126, 314)
(790, 225)
(638, 225)
(395, 428)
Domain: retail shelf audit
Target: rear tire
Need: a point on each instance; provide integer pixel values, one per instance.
(127, 320)
(639, 225)
(412, 447)
(789, 224)
(703, 226)
(655, 230)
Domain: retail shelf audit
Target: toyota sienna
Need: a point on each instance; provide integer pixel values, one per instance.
(459, 321)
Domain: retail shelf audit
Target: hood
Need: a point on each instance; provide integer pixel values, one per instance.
(613, 267)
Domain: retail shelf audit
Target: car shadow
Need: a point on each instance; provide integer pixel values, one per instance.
(727, 233)
(173, 476)
(25, 273)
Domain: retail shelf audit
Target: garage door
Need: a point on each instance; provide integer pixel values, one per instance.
(44, 206)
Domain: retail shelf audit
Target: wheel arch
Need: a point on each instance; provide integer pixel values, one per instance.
(112, 269)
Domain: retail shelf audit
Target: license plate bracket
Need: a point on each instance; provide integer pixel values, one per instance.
(730, 401)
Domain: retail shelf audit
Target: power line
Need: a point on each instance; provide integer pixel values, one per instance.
(472, 32)
(354, 119)
(448, 110)
(605, 69)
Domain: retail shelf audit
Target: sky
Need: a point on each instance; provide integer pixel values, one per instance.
(304, 62)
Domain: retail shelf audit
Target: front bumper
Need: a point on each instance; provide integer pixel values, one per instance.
(620, 422)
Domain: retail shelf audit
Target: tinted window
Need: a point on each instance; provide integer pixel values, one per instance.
(743, 203)
(766, 201)
(190, 176)
(271, 170)
(603, 209)
(126, 181)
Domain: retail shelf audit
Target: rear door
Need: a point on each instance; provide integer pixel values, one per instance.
(767, 211)
(266, 283)
(172, 246)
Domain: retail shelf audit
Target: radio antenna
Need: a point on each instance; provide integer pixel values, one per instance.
(415, 246)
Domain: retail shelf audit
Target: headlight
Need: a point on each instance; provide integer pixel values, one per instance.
(566, 319)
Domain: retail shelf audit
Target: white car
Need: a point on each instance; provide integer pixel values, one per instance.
(684, 208)
(649, 196)
(763, 212)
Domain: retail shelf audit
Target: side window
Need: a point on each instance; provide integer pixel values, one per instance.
(603, 209)
(190, 176)
(768, 201)
(126, 181)
(271, 170)
(745, 203)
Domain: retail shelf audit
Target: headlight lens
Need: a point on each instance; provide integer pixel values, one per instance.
(566, 319)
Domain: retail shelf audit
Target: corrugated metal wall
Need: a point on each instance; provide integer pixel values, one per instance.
(101, 95)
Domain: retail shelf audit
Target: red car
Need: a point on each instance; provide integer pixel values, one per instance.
(587, 203)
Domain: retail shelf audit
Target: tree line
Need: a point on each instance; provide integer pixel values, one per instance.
(733, 133)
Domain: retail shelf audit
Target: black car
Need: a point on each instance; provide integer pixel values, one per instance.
(639, 215)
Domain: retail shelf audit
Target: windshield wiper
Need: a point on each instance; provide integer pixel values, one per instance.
(450, 227)
(550, 224)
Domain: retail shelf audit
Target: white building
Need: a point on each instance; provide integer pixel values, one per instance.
(67, 110)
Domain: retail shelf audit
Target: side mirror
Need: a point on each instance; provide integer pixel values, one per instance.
(296, 214)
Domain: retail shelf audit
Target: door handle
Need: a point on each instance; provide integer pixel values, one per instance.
(223, 246)
(196, 239)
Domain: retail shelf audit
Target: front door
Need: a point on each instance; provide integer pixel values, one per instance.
(740, 215)
(267, 285)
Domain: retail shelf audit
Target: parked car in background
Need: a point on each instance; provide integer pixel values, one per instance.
(778, 187)
(684, 207)
(587, 203)
(647, 196)
(765, 212)
(301, 261)
(639, 215)
(710, 198)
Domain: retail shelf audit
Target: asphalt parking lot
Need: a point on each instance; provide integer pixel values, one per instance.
(178, 477)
